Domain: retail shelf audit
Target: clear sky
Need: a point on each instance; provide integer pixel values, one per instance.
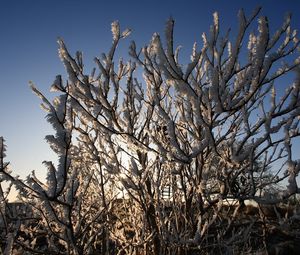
(28, 50)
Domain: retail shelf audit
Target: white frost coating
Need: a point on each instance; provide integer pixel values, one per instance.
(126, 33)
(51, 178)
(115, 29)
(55, 143)
(252, 43)
(216, 21)
(182, 88)
(280, 31)
(229, 49)
(70, 64)
(204, 38)
(62, 169)
(262, 40)
(170, 47)
(156, 48)
(60, 106)
(194, 55)
(57, 84)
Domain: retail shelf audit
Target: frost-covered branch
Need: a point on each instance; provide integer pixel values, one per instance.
(150, 166)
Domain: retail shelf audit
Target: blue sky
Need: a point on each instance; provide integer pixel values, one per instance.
(28, 51)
